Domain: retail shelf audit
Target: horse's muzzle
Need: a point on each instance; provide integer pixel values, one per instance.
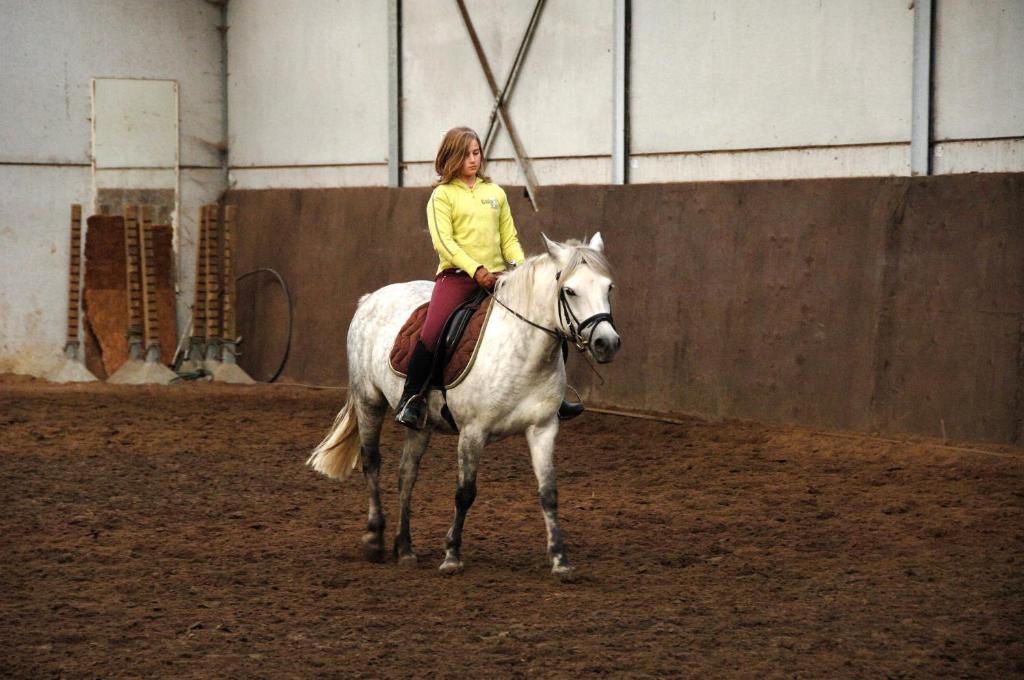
(605, 343)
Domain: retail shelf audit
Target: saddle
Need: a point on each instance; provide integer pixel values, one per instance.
(458, 345)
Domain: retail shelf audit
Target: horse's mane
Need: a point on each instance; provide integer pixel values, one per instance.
(516, 288)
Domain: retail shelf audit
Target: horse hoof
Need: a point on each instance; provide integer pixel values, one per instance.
(566, 575)
(563, 570)
(449, 567)
(408, 560)
(373, 546)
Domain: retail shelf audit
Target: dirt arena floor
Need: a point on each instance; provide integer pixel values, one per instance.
(175, 532)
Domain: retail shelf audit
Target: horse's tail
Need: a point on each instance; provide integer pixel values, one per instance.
(338, 454)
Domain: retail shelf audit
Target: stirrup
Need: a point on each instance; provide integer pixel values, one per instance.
(413, 413)
(568, 410)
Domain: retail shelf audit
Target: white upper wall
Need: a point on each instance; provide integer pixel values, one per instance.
(308, 83)
(979, 69)
(745, 74)
(731, 89)
(51, 49)
(562, 102)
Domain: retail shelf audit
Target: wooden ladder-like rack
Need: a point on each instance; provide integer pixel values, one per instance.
(211, 265)
(133, 281)
(230, 299)
(73, 345)
(147, 278)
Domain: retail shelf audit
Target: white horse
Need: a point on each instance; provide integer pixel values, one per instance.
(515, 386)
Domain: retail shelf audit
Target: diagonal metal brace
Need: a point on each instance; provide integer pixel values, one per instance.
(521, 160)
(510, 81)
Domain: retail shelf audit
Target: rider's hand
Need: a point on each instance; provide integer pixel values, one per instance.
(484, 278)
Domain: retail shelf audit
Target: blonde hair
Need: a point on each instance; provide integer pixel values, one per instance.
(453, 151)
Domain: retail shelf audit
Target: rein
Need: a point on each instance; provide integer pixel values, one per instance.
(569, 319)
(553, 332)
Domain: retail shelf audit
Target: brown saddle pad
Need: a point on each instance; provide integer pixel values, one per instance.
(462, 358)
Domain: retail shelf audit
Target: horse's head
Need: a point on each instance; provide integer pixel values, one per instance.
(584, 296)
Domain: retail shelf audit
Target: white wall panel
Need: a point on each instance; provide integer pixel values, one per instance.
(138, 179)
(51, 49)
(1002, 155)
(979, 70)
(561, 103)
(555, 171)
(308, 82)
(323, 177)
(799, 88)
(743, 74)
(135, 123)
(442, 83)
(855, 161)
(34, 261)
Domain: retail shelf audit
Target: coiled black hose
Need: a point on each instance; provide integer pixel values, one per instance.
(288, 298)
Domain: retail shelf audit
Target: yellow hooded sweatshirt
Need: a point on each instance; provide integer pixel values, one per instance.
(472, 227)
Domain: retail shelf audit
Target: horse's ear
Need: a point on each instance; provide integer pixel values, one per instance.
(555, 249)
(597, 243)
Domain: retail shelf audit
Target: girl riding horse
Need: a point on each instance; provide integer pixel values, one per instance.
(473, 233)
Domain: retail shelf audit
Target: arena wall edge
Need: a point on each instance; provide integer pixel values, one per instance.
(871, 304)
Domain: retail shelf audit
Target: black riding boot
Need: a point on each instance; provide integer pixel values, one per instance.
(411, 406)
(568, 410)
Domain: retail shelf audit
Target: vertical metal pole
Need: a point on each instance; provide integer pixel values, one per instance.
(620, 106)
(394, 93)
(920, 115)
(225, 152)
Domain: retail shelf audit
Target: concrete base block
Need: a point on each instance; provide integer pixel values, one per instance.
(229, 373)
(191, 365)
(227, 369)
(68, 370)
(139, 372)
(194, 358)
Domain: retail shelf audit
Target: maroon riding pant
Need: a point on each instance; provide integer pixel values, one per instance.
(451, 288)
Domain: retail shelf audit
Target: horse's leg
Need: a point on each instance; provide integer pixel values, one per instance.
(370, 417)
(415, 445)
(541, 439)
(470, 446)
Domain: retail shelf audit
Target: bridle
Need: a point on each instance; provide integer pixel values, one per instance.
(577, 329)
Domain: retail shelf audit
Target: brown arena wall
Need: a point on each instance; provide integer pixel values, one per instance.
(871, 304)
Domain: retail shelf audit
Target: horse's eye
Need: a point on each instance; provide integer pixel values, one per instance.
(570, 292)
(611, 286)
